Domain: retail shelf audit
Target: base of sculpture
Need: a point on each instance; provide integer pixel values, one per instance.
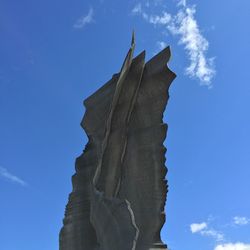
(158, 246)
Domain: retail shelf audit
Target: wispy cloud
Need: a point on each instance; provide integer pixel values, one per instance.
(182, 3)
(137, 9)
(184, 25)
(84, 20)
(233, 246)
(7, 175)
(204, 230)
(161, 45)
(163, 19)
(238, 220)
(213, 233)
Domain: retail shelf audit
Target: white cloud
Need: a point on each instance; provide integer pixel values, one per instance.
(231, 246)
(84, 20)
(185, 26)
(197, 227)
(241, 220)
(204, 230)
(7, 175)
(196, 46)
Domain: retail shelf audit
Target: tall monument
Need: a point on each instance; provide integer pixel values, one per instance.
(119, 188)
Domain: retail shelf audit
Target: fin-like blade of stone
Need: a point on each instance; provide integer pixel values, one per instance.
(144, 184)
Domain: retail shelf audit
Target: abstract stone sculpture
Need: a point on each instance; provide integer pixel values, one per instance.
(119, 189)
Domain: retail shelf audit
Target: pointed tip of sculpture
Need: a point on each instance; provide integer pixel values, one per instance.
(133, 38)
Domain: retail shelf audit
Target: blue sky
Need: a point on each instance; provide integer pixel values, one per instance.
(53, 54)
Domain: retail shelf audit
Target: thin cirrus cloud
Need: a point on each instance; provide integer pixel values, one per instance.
(7, 175)
(85, 20)
(184, 26)
(204, 230)
(241, 221)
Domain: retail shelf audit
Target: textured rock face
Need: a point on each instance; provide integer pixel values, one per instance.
(119, 188)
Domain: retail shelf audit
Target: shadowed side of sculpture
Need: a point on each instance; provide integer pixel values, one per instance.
(119, 189)
(77, 232)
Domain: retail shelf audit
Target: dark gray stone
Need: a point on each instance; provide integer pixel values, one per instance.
(119, 188)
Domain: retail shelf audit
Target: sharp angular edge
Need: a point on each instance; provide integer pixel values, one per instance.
(120, 82)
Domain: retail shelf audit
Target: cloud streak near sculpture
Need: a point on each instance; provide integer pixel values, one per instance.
(184, 26)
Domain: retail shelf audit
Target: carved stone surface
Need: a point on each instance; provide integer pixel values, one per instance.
(119, 188)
